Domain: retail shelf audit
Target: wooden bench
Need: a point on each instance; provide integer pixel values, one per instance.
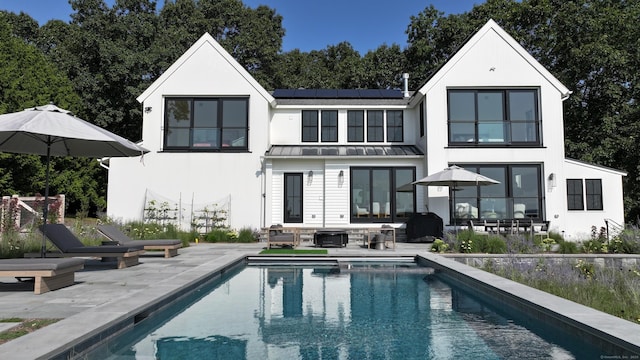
(48, 274)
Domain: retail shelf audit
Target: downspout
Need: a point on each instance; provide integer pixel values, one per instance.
(263, 184)
(324, 199)
(102, 162)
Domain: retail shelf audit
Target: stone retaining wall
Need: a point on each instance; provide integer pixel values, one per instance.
(616, 261)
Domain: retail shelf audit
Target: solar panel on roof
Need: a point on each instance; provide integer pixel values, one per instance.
(348, 93)
(283, 93)
(391, 94)
(327, 93)
(305, 93)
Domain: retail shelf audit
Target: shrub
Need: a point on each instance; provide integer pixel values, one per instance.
(627, 242)
(439, 246)
(246, 235)
(492, 244)
(568, 247)
(219, 235)
(521, 244)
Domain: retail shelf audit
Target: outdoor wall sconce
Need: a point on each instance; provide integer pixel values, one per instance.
(341, 178)
(148, 109)
(310, 175)
(552, 180)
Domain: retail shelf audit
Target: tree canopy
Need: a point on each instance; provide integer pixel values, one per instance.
(99, 62)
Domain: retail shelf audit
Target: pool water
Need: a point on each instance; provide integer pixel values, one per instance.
(372, 311)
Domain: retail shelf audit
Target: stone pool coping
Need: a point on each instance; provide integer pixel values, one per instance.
(598, 326)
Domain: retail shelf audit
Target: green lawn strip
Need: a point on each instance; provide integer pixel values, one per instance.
(26, 326)
(294, 252)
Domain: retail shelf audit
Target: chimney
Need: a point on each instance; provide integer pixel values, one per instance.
(405, 78)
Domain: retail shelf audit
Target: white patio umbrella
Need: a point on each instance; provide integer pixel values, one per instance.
(455, 177)
(51, 131)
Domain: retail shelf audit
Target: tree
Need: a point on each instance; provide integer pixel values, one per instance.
(28, 79)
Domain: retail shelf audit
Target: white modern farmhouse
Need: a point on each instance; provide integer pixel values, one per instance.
(343, 158)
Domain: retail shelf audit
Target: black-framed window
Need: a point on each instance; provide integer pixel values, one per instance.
(574, 194)
(309, 125)
(593, 192)
(329, 126)
(395, 128)
(206, 124)
(495, 117)
(375, 126)
(380, 194)
(518, 195)
(355, 126)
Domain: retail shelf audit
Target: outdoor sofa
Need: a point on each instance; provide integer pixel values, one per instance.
(70, 246)
(113, 233)
(48, 274)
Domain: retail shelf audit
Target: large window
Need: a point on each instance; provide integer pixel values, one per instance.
(493, 117)
(394, 126)
(375, 196)
(375, 126)
(206, 124)
(592, 193)
(355, 126)
(329, 128)
(309, 125)
(517, 196)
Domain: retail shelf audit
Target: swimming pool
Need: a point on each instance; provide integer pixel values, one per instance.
(351, 311)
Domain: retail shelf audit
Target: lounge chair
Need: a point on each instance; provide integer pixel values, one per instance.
(116, 235)
(70, 246)
(48, 274)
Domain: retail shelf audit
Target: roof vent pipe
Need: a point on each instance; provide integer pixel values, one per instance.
(405, 79)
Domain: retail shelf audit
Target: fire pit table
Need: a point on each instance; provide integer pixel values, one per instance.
(331, 237)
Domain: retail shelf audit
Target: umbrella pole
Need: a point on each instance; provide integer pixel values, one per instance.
(453, 207)
(45, 211)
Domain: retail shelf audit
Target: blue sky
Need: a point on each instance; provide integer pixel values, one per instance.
(309, 24)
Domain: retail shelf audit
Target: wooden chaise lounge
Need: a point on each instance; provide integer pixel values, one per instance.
(48, 274)
(113, 233)
(70, 246)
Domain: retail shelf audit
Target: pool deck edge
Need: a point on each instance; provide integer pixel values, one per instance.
(603, 326)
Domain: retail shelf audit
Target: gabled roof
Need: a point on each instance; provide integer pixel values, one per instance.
(595, 166)
(491, 25)
(206, 40)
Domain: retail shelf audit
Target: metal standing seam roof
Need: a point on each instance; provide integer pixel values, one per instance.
(342, 150)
